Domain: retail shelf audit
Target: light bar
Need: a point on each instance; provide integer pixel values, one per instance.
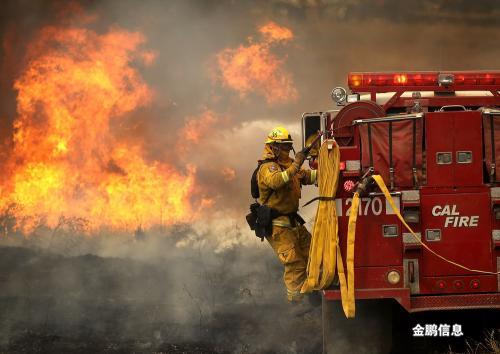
(371, 81)
(477, 78)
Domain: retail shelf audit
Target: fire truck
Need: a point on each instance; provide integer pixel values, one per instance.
(434, 137)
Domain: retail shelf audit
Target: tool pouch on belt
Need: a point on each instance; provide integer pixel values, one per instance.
(261, 216)
(264, 222)
(252, 217)
(260, 220)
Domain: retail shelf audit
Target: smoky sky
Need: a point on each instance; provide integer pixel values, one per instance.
(332, 38)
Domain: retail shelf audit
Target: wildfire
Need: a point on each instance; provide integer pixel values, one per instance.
(228, 174)
(196, 127)
(67, 160)
(273, 32)
(254, 68)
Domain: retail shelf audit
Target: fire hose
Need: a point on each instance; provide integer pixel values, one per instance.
(324, 254)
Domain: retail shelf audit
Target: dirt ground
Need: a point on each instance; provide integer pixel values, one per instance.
(83, 304)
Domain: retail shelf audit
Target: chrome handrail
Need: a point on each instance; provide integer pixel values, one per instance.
(388, 119)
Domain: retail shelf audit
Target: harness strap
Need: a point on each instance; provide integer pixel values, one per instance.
(259, 167)
(319, 198)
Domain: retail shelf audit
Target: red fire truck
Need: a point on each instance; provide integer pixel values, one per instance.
(434, 137)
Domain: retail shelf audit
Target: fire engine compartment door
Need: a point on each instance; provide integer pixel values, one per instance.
(491, 127)
(378, 232)
(402, 132)
(458, 227)
(454, 149)
(312, 123)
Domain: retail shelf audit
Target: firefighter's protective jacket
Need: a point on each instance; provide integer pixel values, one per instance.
(281, 191)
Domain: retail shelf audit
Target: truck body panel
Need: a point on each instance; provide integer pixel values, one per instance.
(440, 165)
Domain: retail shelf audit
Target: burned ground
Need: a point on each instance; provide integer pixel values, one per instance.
(174, 301)
(87, 303)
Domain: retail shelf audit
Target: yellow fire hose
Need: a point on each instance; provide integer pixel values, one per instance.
(324, 253)
(321, 264)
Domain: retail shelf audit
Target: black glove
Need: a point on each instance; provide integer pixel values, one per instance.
(297, 162)
(306, 150)
(300, 157)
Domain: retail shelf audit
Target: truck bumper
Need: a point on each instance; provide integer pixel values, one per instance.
(424, 302)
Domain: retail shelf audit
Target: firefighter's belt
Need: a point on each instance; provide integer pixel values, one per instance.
(294, 219)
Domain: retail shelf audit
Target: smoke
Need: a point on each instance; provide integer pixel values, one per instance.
(146, 293)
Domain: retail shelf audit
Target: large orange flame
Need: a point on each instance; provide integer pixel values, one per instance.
(197, 127)
(254, 68)
(275, 33)
(67, 161)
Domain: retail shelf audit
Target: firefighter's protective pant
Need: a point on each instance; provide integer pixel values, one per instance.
(292, 247)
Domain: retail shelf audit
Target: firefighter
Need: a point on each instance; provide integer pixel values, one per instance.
(279, 180)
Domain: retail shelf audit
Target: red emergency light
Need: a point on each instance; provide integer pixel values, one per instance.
(430, 80)
(474, 284)
(458, 284)
(441, 284)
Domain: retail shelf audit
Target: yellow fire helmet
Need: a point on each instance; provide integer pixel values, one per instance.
(279, 135)
(314, 150)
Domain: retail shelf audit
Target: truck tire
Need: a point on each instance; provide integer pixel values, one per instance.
(369, 332)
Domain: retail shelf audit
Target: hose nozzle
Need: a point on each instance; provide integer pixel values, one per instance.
(365, 185)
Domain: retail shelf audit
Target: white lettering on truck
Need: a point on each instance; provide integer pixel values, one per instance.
(453, 217)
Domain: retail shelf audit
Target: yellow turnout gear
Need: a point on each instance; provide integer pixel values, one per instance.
(280, 184)
(291, 245)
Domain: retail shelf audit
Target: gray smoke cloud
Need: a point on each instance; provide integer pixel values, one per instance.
(159, 291)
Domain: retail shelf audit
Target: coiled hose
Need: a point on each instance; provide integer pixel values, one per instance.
(324, 253)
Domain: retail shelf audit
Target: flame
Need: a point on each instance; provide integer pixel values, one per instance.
(196, 127)
(254, 68)
(195, 130)
(228, 174)
(67, 159)
(274, 33)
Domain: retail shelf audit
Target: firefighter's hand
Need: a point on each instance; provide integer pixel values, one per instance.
(307, 150)
(300, 157)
